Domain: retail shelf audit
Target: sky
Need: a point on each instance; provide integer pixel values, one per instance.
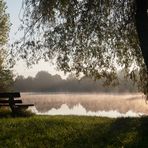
(14, 7)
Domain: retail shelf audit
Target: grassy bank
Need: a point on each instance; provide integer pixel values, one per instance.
(73, 132)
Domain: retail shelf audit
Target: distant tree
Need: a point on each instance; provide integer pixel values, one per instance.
(45, 82)
(6, 77)
(89, 36)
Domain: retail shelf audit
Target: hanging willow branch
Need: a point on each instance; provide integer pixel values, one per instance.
(93, 37)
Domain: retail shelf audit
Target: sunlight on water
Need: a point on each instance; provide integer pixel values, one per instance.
(81, 111)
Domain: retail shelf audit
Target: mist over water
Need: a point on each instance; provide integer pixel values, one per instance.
(106, 105)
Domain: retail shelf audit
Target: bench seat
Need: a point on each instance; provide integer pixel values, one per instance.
(9, 99)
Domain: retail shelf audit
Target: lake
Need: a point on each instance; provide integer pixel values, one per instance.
(91, 104)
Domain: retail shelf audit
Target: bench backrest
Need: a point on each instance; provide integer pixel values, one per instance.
(10, 95)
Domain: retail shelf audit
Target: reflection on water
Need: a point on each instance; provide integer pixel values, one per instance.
(81, 111)
(87, 104)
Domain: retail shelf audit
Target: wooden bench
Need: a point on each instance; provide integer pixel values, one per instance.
(9, 99)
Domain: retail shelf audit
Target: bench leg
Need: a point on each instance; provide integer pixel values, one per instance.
(12, 106)
(13, 111)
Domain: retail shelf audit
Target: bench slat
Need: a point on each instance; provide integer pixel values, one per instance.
(4, 104)
(7, 101)
(10, 94)
(24, 105)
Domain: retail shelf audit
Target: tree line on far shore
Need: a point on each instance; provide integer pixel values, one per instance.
(45, 82)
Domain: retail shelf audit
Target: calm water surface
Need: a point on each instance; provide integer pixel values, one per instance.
(97, 104)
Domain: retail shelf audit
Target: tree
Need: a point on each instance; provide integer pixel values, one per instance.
(5, 74)
(89, 36)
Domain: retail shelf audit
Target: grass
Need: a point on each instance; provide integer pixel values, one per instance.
(72, 132)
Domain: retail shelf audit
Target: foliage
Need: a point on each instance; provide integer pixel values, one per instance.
(73, 132)
(4, 24)
(91, 37)
(5, 73)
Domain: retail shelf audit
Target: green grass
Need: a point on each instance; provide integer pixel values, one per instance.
(72, 132)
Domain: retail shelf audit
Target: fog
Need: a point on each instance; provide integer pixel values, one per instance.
(94, 104)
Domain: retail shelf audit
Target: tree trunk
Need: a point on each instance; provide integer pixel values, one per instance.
(142, 27)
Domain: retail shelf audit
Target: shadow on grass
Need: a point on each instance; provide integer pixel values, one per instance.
(143, 132)
(120, 132)
(6, 112)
